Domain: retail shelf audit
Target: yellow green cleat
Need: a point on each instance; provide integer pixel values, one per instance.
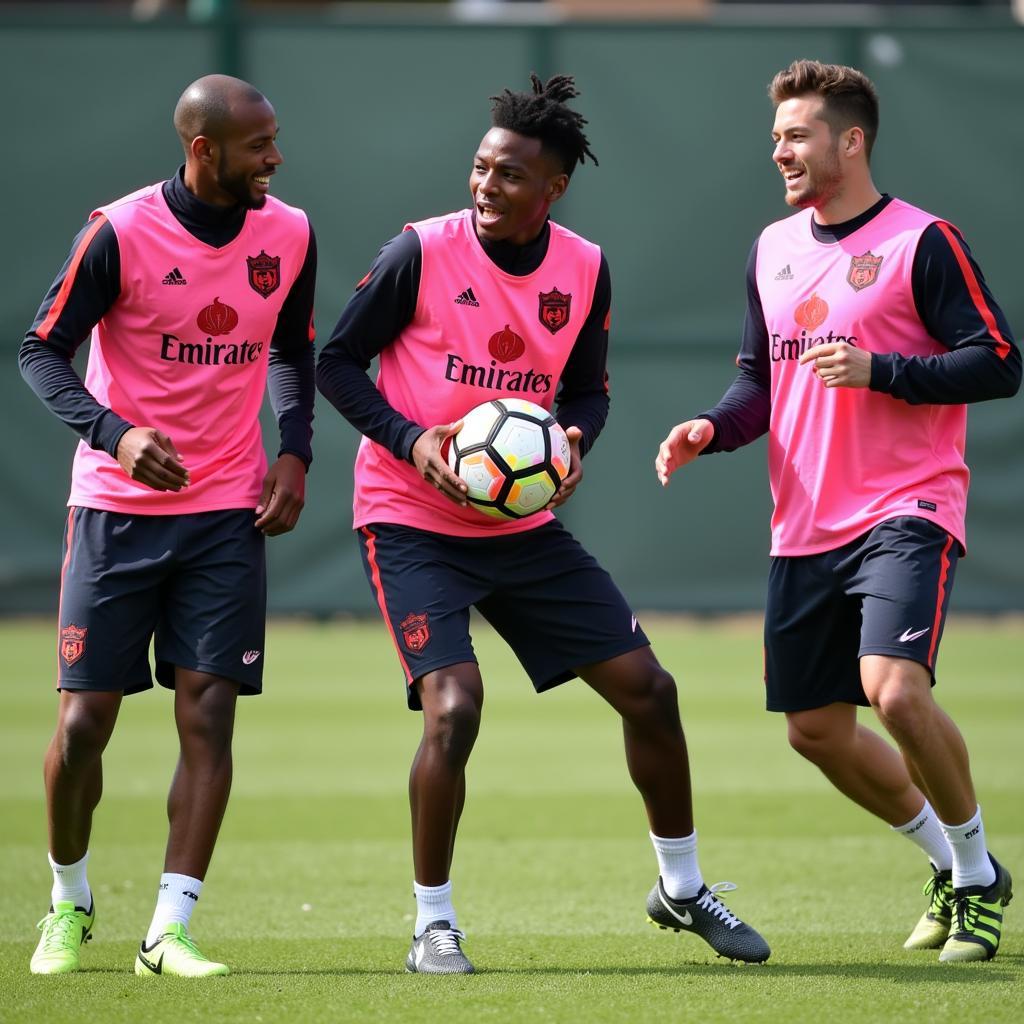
(175, 955)
(978, 919)
(932, 930)
(65, 929)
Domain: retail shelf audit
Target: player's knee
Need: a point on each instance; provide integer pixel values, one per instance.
(453, 728)
(902, 707)
(653, 697)
(818, 745)
(81, 738)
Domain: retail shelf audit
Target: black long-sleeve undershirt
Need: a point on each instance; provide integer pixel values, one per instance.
(384, 303)
(47, 365)
(971, 371)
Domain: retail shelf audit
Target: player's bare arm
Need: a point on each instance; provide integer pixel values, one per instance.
(684, 443)
(283, 496)
(839, 365)
(430, 463)
(568, 486)
(149, 457)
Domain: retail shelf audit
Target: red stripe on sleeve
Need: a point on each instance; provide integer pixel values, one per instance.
(69, 280)
(977, 295)
(378, 589)
(939, 600)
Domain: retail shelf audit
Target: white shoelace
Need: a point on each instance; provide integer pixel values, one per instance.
(446, 943)
(713, 905)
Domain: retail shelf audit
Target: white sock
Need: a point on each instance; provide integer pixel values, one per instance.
(677, 864)
(433, 903)
(925, 831)
(971, 863)
(70, 884)
(175, 901)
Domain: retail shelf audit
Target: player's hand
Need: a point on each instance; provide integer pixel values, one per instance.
(684, 443)
(575, 474)
(149, 457)
(283, 496)
(839, 365)
(431, 464)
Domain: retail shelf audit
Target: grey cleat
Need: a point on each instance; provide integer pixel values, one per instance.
(707, 916)
(438, 951)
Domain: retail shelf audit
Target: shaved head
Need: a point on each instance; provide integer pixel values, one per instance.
(210, 106)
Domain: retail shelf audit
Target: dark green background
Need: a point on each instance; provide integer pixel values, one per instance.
(378, 125)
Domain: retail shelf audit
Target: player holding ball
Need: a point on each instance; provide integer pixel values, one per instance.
(499, 302)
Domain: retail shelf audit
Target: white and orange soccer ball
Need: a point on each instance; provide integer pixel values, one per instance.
(512, 454)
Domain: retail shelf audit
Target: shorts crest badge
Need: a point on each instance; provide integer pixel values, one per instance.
(72, 643)
(264, 273)
(863, 270)
(554, 309)
(415, 632)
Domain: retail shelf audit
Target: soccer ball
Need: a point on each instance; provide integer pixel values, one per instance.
(512, 455)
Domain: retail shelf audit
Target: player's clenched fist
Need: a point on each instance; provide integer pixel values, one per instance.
(684, 443)
(148, 455)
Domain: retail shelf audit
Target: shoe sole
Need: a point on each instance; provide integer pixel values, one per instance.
(720, 956)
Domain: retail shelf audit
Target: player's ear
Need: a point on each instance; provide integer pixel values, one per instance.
(556, 187)
(202, 149)
(853, 141)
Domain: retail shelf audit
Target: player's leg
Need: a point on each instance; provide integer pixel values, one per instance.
(209, 647)
(105, 622)
(856, 760)
(563, 616)
(906, 576)
(812, 638)
(644, 695)
(424, 584)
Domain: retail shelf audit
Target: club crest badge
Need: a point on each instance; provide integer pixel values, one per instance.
(863, 270)
(415, 632)
(264, 273)
(72, 643)
(554, 309)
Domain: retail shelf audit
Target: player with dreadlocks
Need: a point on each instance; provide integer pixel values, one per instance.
(443, 303)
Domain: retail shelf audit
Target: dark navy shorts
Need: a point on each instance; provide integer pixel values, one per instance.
(548, 599)
(194, 584)
(885, 593)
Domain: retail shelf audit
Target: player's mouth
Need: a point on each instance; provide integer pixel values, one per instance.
(793, 175)
(262, 182)
(487, 214)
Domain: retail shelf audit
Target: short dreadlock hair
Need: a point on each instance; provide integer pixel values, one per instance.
(542, 114)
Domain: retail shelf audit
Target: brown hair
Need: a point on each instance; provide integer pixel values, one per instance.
(849, 95)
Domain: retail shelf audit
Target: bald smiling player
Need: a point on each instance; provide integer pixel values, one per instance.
(197, 292)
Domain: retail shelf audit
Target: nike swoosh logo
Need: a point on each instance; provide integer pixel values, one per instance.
(634, 623)
(683, 919)
(156, 968)
(908, 636)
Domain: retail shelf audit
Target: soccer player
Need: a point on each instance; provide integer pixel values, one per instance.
(196, 291)
(869, 328)
(438, 306)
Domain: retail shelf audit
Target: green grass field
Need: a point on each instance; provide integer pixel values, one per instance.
(309, 897)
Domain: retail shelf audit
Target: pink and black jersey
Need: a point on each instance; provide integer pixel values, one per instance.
(477, 333)
(189, 361)
(843, 460)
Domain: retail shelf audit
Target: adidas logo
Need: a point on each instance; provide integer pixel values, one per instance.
(175, 277)
(467, 298)
(785, 274)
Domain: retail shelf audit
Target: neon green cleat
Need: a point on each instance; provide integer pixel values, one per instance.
(174, 954)
(65, 929)
(979, 919)
(932, 930)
